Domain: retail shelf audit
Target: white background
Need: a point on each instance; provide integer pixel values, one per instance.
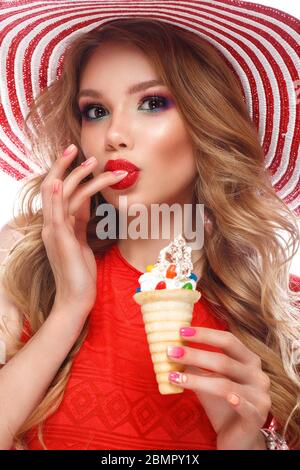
(9, 186)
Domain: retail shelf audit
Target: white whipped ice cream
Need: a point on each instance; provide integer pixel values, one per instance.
(173, 269)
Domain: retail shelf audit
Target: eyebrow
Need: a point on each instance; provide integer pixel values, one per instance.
(133, 89)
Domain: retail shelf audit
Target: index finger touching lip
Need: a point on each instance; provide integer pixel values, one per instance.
(93, 186)
(102, 180)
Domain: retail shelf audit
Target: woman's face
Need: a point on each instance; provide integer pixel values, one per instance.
(149, 133)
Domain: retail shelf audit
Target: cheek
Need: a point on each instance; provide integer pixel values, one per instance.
(172, 152)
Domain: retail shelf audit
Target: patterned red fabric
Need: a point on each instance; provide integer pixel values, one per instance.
(111, 400)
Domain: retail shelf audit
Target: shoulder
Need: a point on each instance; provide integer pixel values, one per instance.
(10, 317)
(10, 233)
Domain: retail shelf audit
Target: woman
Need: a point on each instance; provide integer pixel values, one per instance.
(195, 143)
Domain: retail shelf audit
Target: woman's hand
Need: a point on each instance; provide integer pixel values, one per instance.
(66, 214)
(231, 387)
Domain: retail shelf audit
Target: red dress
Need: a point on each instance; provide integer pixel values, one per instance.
(111, 400)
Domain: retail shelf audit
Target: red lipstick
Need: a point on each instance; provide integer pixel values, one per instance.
(122, 164)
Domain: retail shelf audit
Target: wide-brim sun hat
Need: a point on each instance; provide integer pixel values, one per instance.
(260, 44)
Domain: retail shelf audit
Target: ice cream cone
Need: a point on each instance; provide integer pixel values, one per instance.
(164, 313)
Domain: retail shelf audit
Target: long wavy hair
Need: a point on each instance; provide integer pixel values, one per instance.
(245, 261)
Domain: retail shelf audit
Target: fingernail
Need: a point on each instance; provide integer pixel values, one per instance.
(88, 161)
(233, 399)
(175, 351)
(187, 331)
(120, 173)
(177, 377)
(69, 150)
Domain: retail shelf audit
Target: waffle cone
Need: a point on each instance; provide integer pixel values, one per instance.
(164, 312)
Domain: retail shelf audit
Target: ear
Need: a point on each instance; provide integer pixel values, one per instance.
(208, 224)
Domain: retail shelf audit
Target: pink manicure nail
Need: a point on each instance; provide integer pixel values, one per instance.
(177, 377)
(88, 162)
(120, 172)
(187, 331)
(68, 150)
(175, 351)
(234, 399)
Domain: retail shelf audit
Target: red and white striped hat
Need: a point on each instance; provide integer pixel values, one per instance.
(261, 44)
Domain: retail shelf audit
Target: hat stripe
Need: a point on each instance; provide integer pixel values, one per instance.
(295, 184)
(256, 69)
(289, 181)
(261, 44)
(294, 203)
(290, 75)
(283, 179)
(271, 14)
(9, 129)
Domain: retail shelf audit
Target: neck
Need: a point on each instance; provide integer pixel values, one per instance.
(142, 252)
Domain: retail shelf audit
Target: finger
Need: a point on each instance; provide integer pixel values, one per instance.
(220, 387)
(224, 340)
(57, 204)
(252, 417)
(72, 181)
(46, 197)
(56, 172)
(65, 242)
(216, 362)
(257, 381)
(201, 372)
(217, 386)
(86, 190)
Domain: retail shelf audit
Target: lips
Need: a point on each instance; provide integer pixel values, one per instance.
(120, 164)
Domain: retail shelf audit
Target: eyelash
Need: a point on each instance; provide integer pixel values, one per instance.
(84, 111)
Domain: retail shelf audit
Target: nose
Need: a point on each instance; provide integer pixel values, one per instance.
(118, 134)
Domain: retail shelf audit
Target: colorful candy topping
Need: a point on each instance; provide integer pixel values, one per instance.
(188, 285)
(149, 268)
(161, 285)
(173, 269)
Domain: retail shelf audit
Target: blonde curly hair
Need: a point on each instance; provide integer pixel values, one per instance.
(245, 261)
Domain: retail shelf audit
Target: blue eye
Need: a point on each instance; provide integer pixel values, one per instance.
(152, 99)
